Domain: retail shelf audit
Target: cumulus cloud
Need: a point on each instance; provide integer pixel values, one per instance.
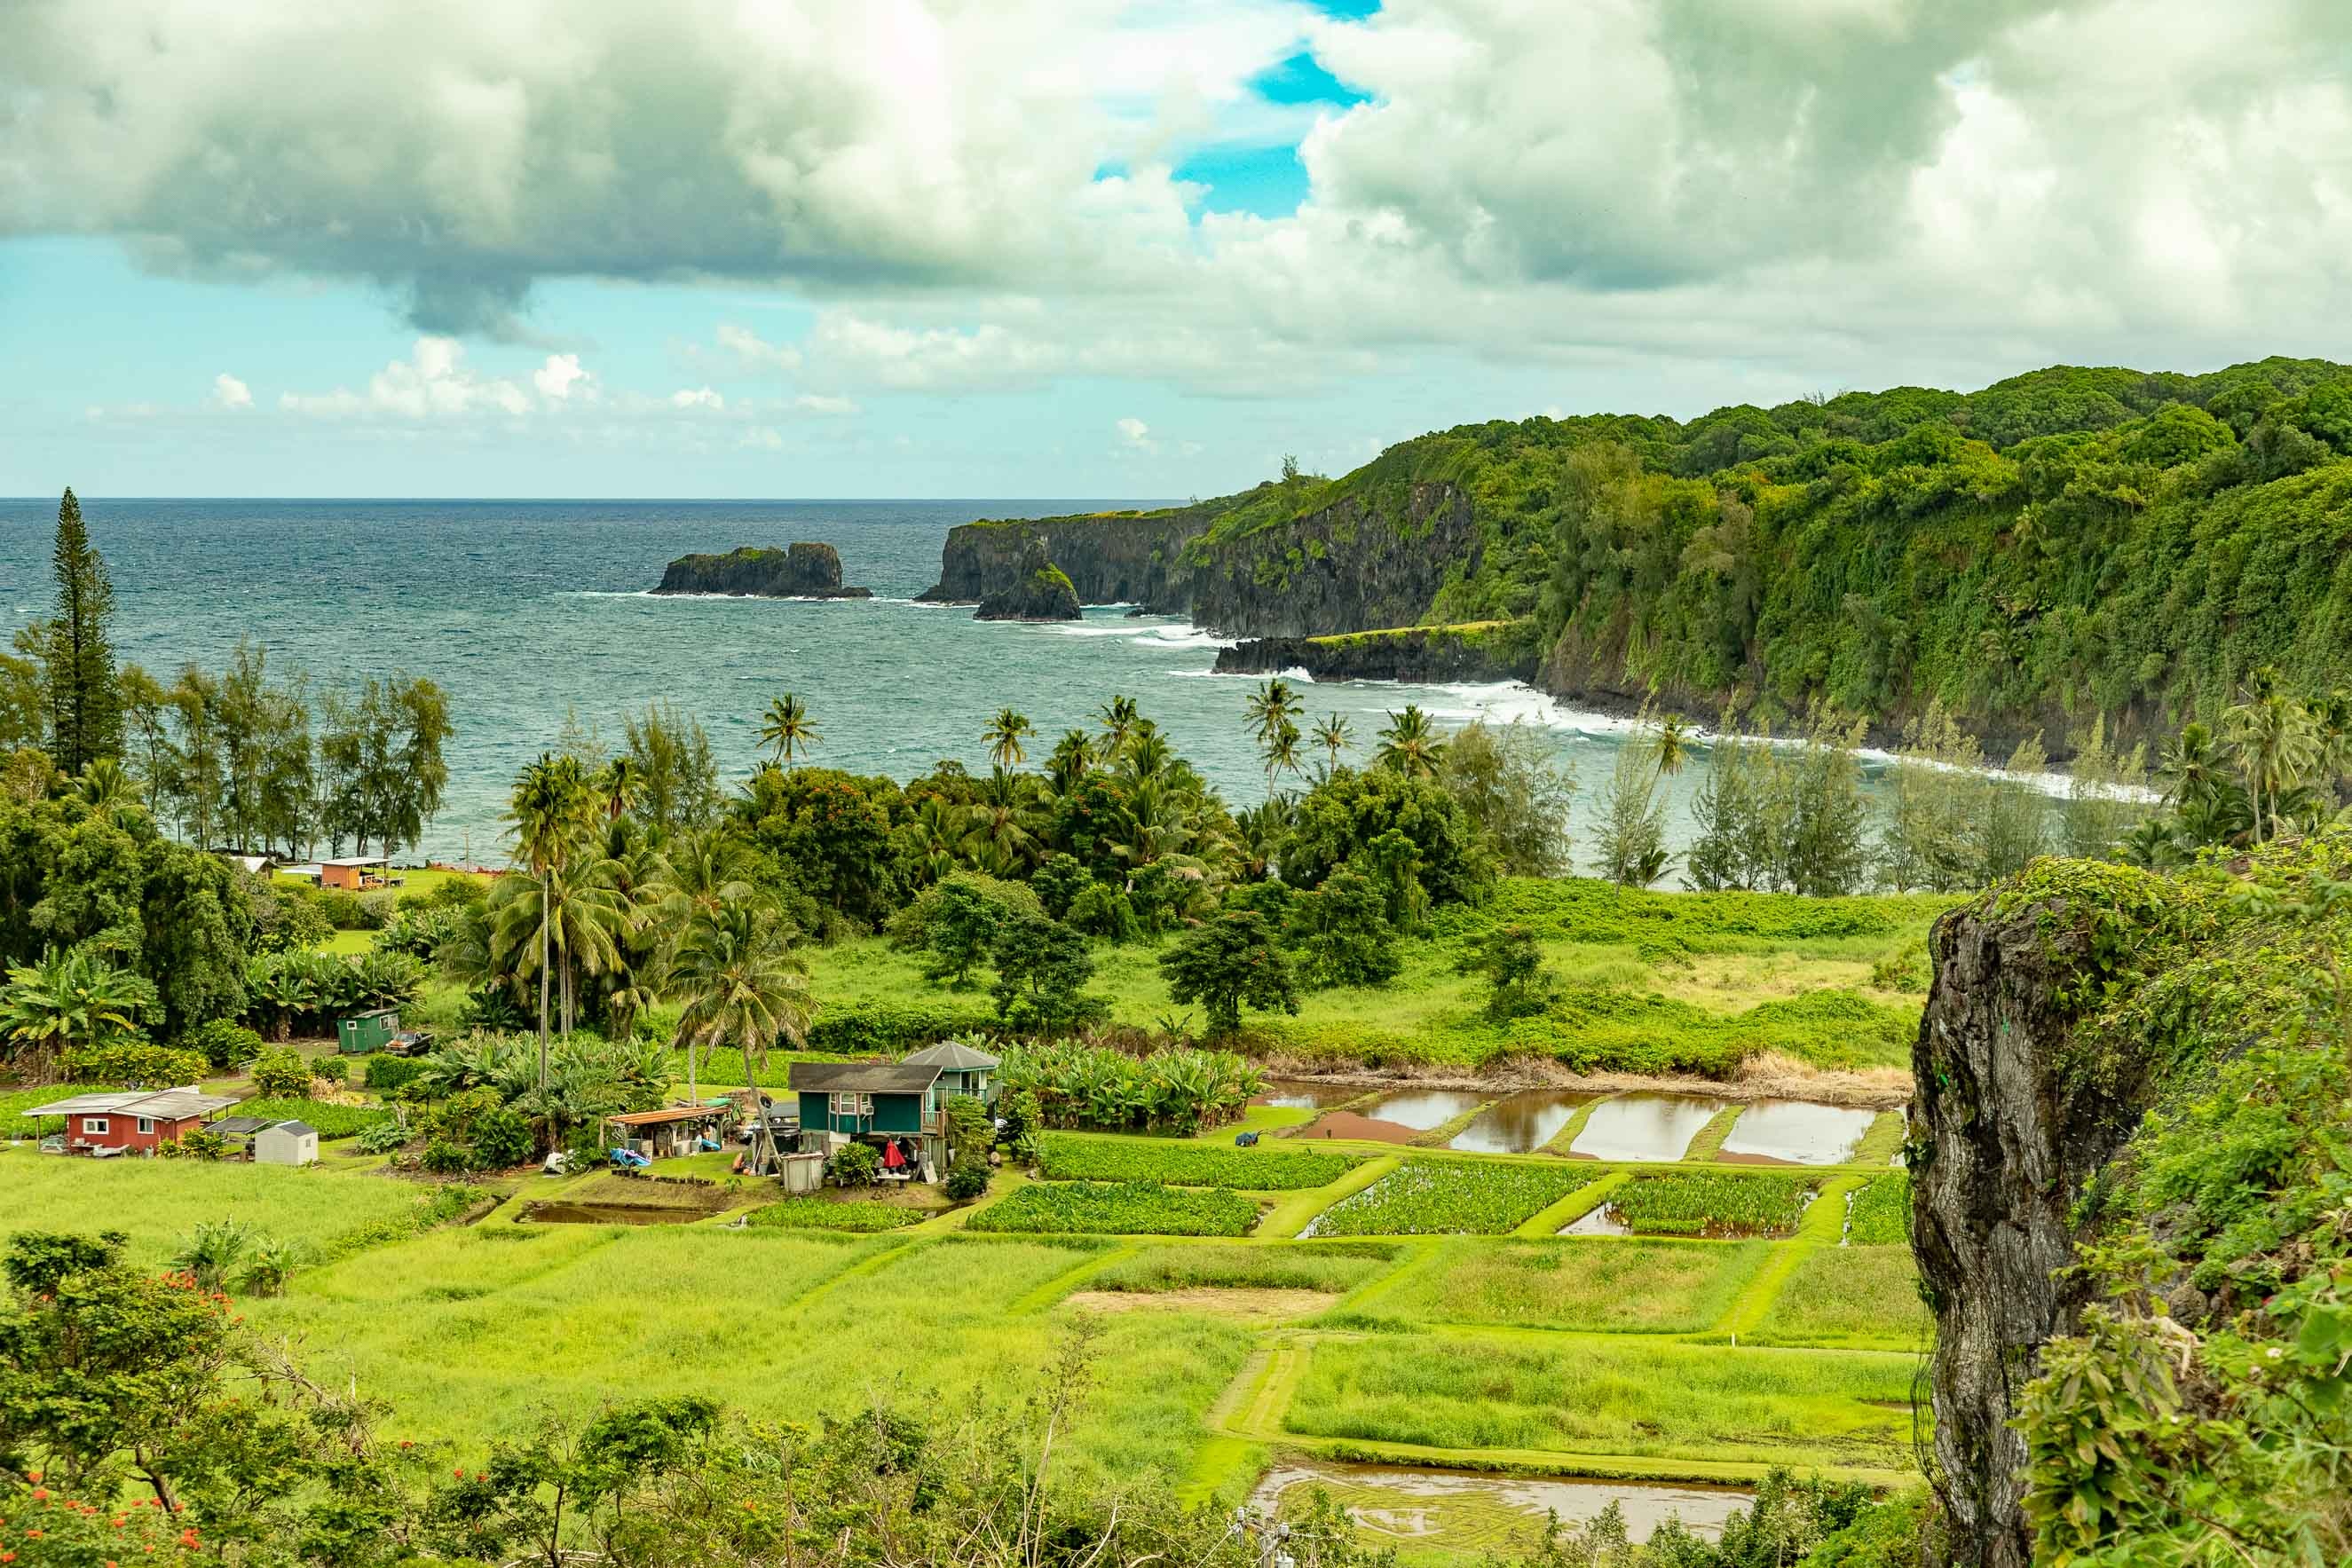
(434, 382)
(819, 403)
(556, 379)
(1133, 432)
(698, 397)
(982, 196)
(230, 392)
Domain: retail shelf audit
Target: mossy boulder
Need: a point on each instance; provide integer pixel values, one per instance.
(805, 570)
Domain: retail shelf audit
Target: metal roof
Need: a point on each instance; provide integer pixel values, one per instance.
(238, 1126)
(863, 1077)
(166, 1106)
(951, 1055)
(668, 1113)
(297, 1128)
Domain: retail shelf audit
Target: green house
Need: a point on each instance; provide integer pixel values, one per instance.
(363, 1033)
(874, 1102)
(962, 1070)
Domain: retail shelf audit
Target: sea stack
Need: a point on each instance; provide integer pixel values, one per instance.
(1039, 591)
(803, 571)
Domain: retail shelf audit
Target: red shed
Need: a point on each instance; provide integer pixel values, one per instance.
(134, 1120)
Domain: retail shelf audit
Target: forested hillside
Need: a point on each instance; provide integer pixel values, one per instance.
(2064, 543)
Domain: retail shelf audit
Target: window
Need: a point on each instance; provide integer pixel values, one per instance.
(93, 1124)
(853, 1105)
(146, 1125)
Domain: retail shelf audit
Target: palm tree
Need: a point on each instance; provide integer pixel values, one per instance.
(620, 783)
(1073, 758)
(581, 910)
(1004, 735)
(1409, 744)
(1280, 750)
(1118, 717)
(702, 875)
(1673, 742)
(552, 811)
(2276, 743)
(1334, 735)
(106, 787)
(740, 978)
(1271, 706)
(788, 728)
(997, 826)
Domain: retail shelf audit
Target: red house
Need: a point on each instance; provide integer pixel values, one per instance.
(134, 1120)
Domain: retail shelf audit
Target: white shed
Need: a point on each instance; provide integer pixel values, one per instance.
(287, 1143)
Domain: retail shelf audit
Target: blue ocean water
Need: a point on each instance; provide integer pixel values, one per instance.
(528, 612)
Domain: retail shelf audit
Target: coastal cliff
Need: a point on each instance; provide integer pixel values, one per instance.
(1479, 652)
(1368, 559)
(803, 571)
(1112, 558)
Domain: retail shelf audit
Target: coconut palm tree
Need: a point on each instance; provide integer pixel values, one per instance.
(1271, 706)
(1004, 735)
(1118, 718)
(1409, 744)
(741, 979)
(551, 812)
(1280, 750)
(701, 875)
(2276, 743)
(788, 729)
(999, 825)
(621, 782)
(1671, 743)
(1073, 759)
(1334, 735)
(106, 786)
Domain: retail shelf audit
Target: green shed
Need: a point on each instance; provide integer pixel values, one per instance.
(962, 1070)
(358, 1034)
(871, 1102)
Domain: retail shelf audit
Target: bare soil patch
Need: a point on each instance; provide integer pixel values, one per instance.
(1223, 1301)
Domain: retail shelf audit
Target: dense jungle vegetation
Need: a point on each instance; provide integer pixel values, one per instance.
(2062, 546)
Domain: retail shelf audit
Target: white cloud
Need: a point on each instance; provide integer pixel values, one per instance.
(698, 397)
(1133, 432)
(559, 375)
(434, 382)
(818, 403)
(230, 392)
(753, 351)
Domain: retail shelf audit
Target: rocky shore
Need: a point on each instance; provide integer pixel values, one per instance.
(805, 570)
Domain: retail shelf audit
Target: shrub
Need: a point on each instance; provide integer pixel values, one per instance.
(1119, 1209)
(225, 1043)
(389, 1073)
(213, 1251)
(853, 1165)
(287, 918)
(1057, 882)
(197, 1144)
(459, 892)
(501, 1138)
(133, 1062)
(375, 910)
(968, 1178)
(1904, 969)
(332, 1069)
(269, 1264)
(281, 1074)
(1507, 958)
(332, 1121)
(889, 1029)
(443, 1157)
(384, 1136)
(1340, 933)
(343, 909)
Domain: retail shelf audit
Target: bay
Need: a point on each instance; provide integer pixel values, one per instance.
(532, 612)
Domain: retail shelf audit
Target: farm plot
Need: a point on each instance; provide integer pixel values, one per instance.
(1119, 1209)
(331, 1120)
(1272, 1266)
(1627, 1395)
(1067, 1157)
(1858, 1296)
(1881, 1215)
(1632, 1286)
(1438, 1197)
(1713, 1204)
(826, 1214)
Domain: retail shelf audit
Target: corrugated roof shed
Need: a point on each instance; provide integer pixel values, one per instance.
(952, 1056)
(863, 1077)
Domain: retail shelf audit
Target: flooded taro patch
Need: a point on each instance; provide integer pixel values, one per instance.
(1304, 1094)
(1652, 1127)
(1795, 1132)
(1522, 1123)
(1394, 1118)
(1464, 1513)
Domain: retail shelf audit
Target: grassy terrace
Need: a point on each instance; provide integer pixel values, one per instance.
(1455, 1329)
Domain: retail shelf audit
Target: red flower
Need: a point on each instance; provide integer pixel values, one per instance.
(460, 1473)
(40, 1494)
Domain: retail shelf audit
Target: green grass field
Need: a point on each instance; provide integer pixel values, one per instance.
(1440, 1345)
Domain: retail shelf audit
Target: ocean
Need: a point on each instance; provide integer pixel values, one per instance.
(533, 613)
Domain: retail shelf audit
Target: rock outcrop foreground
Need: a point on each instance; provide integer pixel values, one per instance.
(2011, 1118)
(805, 570)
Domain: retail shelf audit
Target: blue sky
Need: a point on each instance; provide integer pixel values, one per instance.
(1095, 246)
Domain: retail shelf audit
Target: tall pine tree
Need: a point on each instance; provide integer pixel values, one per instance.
(85, 703)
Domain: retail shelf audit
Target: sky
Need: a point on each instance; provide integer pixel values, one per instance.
(748, 248)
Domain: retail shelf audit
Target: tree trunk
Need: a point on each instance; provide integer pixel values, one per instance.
(544, 890)
(763, 1149)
